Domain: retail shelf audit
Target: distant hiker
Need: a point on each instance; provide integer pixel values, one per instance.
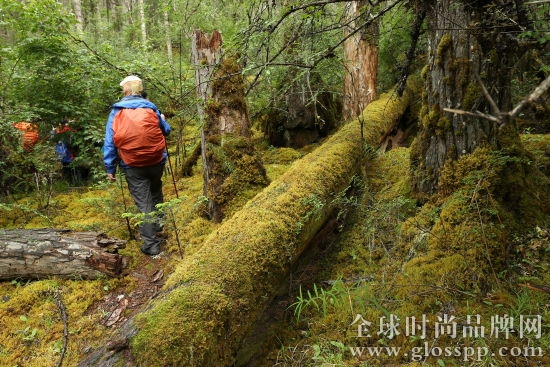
(30, 134)
(62, 135)
(134, 138)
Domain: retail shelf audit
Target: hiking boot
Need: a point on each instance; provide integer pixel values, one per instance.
(150, 251)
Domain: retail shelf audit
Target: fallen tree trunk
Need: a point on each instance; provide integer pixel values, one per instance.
(43, 253)
(212, 300)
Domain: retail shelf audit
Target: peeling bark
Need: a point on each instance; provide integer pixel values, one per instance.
(361, 62)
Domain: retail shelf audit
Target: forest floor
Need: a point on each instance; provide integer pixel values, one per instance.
(352, 269)
(32, 327)
(345, 303)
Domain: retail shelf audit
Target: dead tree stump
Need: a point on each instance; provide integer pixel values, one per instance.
(230, 164)
(43, 253)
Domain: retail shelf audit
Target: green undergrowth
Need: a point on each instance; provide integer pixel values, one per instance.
(463, 260)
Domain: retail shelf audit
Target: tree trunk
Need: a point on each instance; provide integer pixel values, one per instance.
(229, 161)
(361, 62)
(143, 24)
(168, 34)
(77, 7)
(42, 253)
(206, 53)
(457, 54)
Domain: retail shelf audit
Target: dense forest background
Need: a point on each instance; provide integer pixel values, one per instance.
(433, 115)
(61, 62)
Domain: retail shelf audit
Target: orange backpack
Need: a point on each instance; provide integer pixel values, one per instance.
(138, 137)
(30, 133)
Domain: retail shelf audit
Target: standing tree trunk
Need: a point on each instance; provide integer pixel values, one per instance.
(143, 24)
(361, 61)
(458, 54)
(77, 7)
(167, 33)
(206, 54)
(229, 162)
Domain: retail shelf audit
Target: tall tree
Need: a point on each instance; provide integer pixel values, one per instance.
(77, 8)
(167, 31)
(143, 24)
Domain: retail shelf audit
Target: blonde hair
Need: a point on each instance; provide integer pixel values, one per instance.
(132, 87)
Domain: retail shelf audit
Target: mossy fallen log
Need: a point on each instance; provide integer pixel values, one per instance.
(213, 298)
(44, 253)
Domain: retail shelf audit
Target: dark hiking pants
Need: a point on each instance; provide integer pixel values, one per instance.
(145, 184)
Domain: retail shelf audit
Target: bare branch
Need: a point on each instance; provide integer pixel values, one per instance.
(328, 52)
(473, 114)
(331, 50)
(492, 103)
(64, 318)
(539, 91)
(294, 9)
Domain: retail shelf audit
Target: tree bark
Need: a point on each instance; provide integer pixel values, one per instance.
(42, 253)
(458, 55)
(168, 35)
(361, 62)
(206, 51)
(206, 54)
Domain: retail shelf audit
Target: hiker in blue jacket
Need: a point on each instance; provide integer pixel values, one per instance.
(135, 140)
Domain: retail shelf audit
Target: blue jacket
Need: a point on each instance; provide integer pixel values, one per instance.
(110, 153)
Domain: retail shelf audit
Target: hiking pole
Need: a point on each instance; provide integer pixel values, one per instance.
(130, 232)
(171, 170)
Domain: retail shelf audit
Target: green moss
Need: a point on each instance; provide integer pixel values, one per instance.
(452, 255)
(431, 117)
(435, 278)
(539, 147)
(470, 230)
(471, 94)
(425, 72)
(219, 292)
(443, 122)
(383, 113)
(444, 45)
(32, 328)
(283, 155)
